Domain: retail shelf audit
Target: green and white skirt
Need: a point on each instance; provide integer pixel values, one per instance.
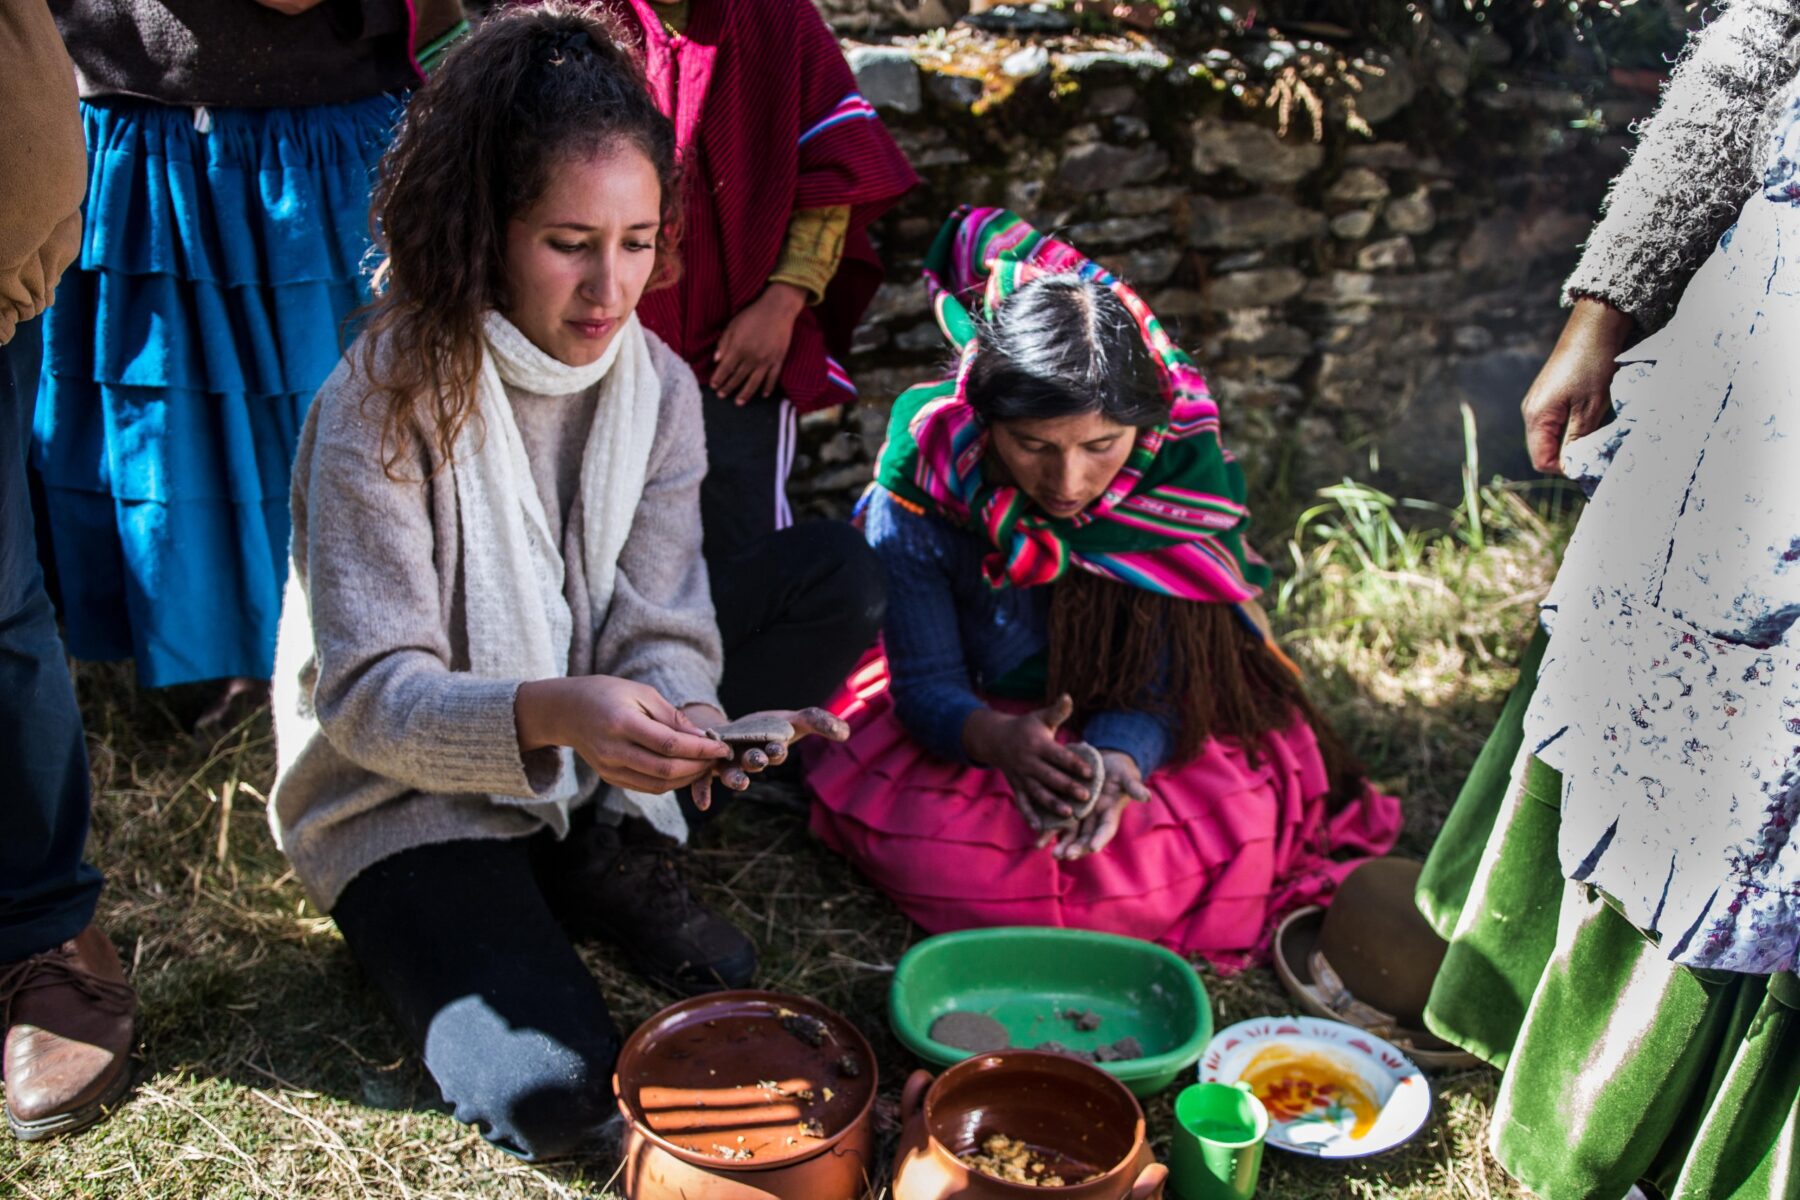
(1619, 1065)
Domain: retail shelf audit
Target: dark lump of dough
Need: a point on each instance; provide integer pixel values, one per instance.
(1086, 1019)
(977, 1033)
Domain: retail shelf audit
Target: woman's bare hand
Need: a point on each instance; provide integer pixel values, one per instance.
(754, 346)
(627, 732)
(1573, 391)
(1122, 784)
(1048, 779)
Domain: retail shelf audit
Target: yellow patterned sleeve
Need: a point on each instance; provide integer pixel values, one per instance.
(814, 247)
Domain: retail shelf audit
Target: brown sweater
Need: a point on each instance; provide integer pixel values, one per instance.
(43, 165)
(238, 53)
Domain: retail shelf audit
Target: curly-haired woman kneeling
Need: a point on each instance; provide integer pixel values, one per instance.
(498, 652)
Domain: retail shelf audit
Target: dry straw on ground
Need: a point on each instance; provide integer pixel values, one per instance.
(267, 1069)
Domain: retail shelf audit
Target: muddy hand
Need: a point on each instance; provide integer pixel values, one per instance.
(1065, 831)
(1097, 830)
(764, 735)
(762, 739)
(1096, 780)
(1061, 780)
(702, 720)
(730, 773)
(732, 777)
(819, 722)
(1047, 779)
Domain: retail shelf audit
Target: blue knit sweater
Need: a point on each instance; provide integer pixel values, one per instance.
(949, 636)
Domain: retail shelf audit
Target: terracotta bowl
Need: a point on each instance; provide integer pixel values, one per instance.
(1077, 1116)
(746, 1096)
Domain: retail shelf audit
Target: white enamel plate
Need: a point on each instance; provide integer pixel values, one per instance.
(1331, 1089)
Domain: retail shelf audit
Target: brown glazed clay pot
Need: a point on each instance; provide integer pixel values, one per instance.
(1070, 1109)
(746, 1096)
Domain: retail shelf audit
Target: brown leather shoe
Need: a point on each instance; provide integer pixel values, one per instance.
(68, 1021)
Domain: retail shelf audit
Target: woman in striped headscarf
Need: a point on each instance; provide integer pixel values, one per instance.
(1071, 628)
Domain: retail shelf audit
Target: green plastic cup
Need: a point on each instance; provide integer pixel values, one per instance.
(1216, 1151)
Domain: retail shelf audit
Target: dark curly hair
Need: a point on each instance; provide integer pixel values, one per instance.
(531, 86)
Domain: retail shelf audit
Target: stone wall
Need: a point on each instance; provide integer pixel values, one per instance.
(1345, 293)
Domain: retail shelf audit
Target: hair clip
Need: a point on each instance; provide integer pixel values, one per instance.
(573, 43)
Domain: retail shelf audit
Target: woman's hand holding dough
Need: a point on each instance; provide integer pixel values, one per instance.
(754, 346)
(1048, 780)
(759, 740)
(1122, 783)
(625, 731)
(763, 738)
(1573, 391)
(732, 771)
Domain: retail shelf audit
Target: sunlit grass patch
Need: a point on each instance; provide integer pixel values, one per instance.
(1409, 618)
(1418, 603)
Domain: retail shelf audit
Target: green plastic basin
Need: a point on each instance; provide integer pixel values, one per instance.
(1025, 977)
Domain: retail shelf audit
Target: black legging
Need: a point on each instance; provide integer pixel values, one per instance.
(459, 938)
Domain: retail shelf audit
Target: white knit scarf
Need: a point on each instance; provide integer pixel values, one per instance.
(512, 565)
(517, 620)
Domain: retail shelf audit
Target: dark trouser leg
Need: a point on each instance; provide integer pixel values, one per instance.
(620, 883)
(27, 353)
(47, 893)
(487, 986)
(797, 605)
(749, 452)
(796, 610)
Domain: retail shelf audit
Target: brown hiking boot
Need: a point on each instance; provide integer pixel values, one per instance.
(68, 1022)
(620, 884)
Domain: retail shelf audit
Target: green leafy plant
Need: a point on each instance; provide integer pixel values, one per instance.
(1414, 601)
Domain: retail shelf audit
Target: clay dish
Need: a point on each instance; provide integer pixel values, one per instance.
(1085, 1120)
(1080, 1120)
(745, 1080)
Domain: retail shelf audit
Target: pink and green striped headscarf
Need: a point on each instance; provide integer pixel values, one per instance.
(1172, 521)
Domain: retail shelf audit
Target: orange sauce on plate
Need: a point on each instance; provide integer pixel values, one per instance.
(1296, 1084)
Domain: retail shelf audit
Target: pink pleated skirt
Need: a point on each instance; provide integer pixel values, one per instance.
(1221, 852)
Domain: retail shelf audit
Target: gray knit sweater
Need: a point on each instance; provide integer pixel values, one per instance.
(414, 746)
(1697, 160)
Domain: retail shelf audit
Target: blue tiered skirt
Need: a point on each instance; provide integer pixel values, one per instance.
(217, 271)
